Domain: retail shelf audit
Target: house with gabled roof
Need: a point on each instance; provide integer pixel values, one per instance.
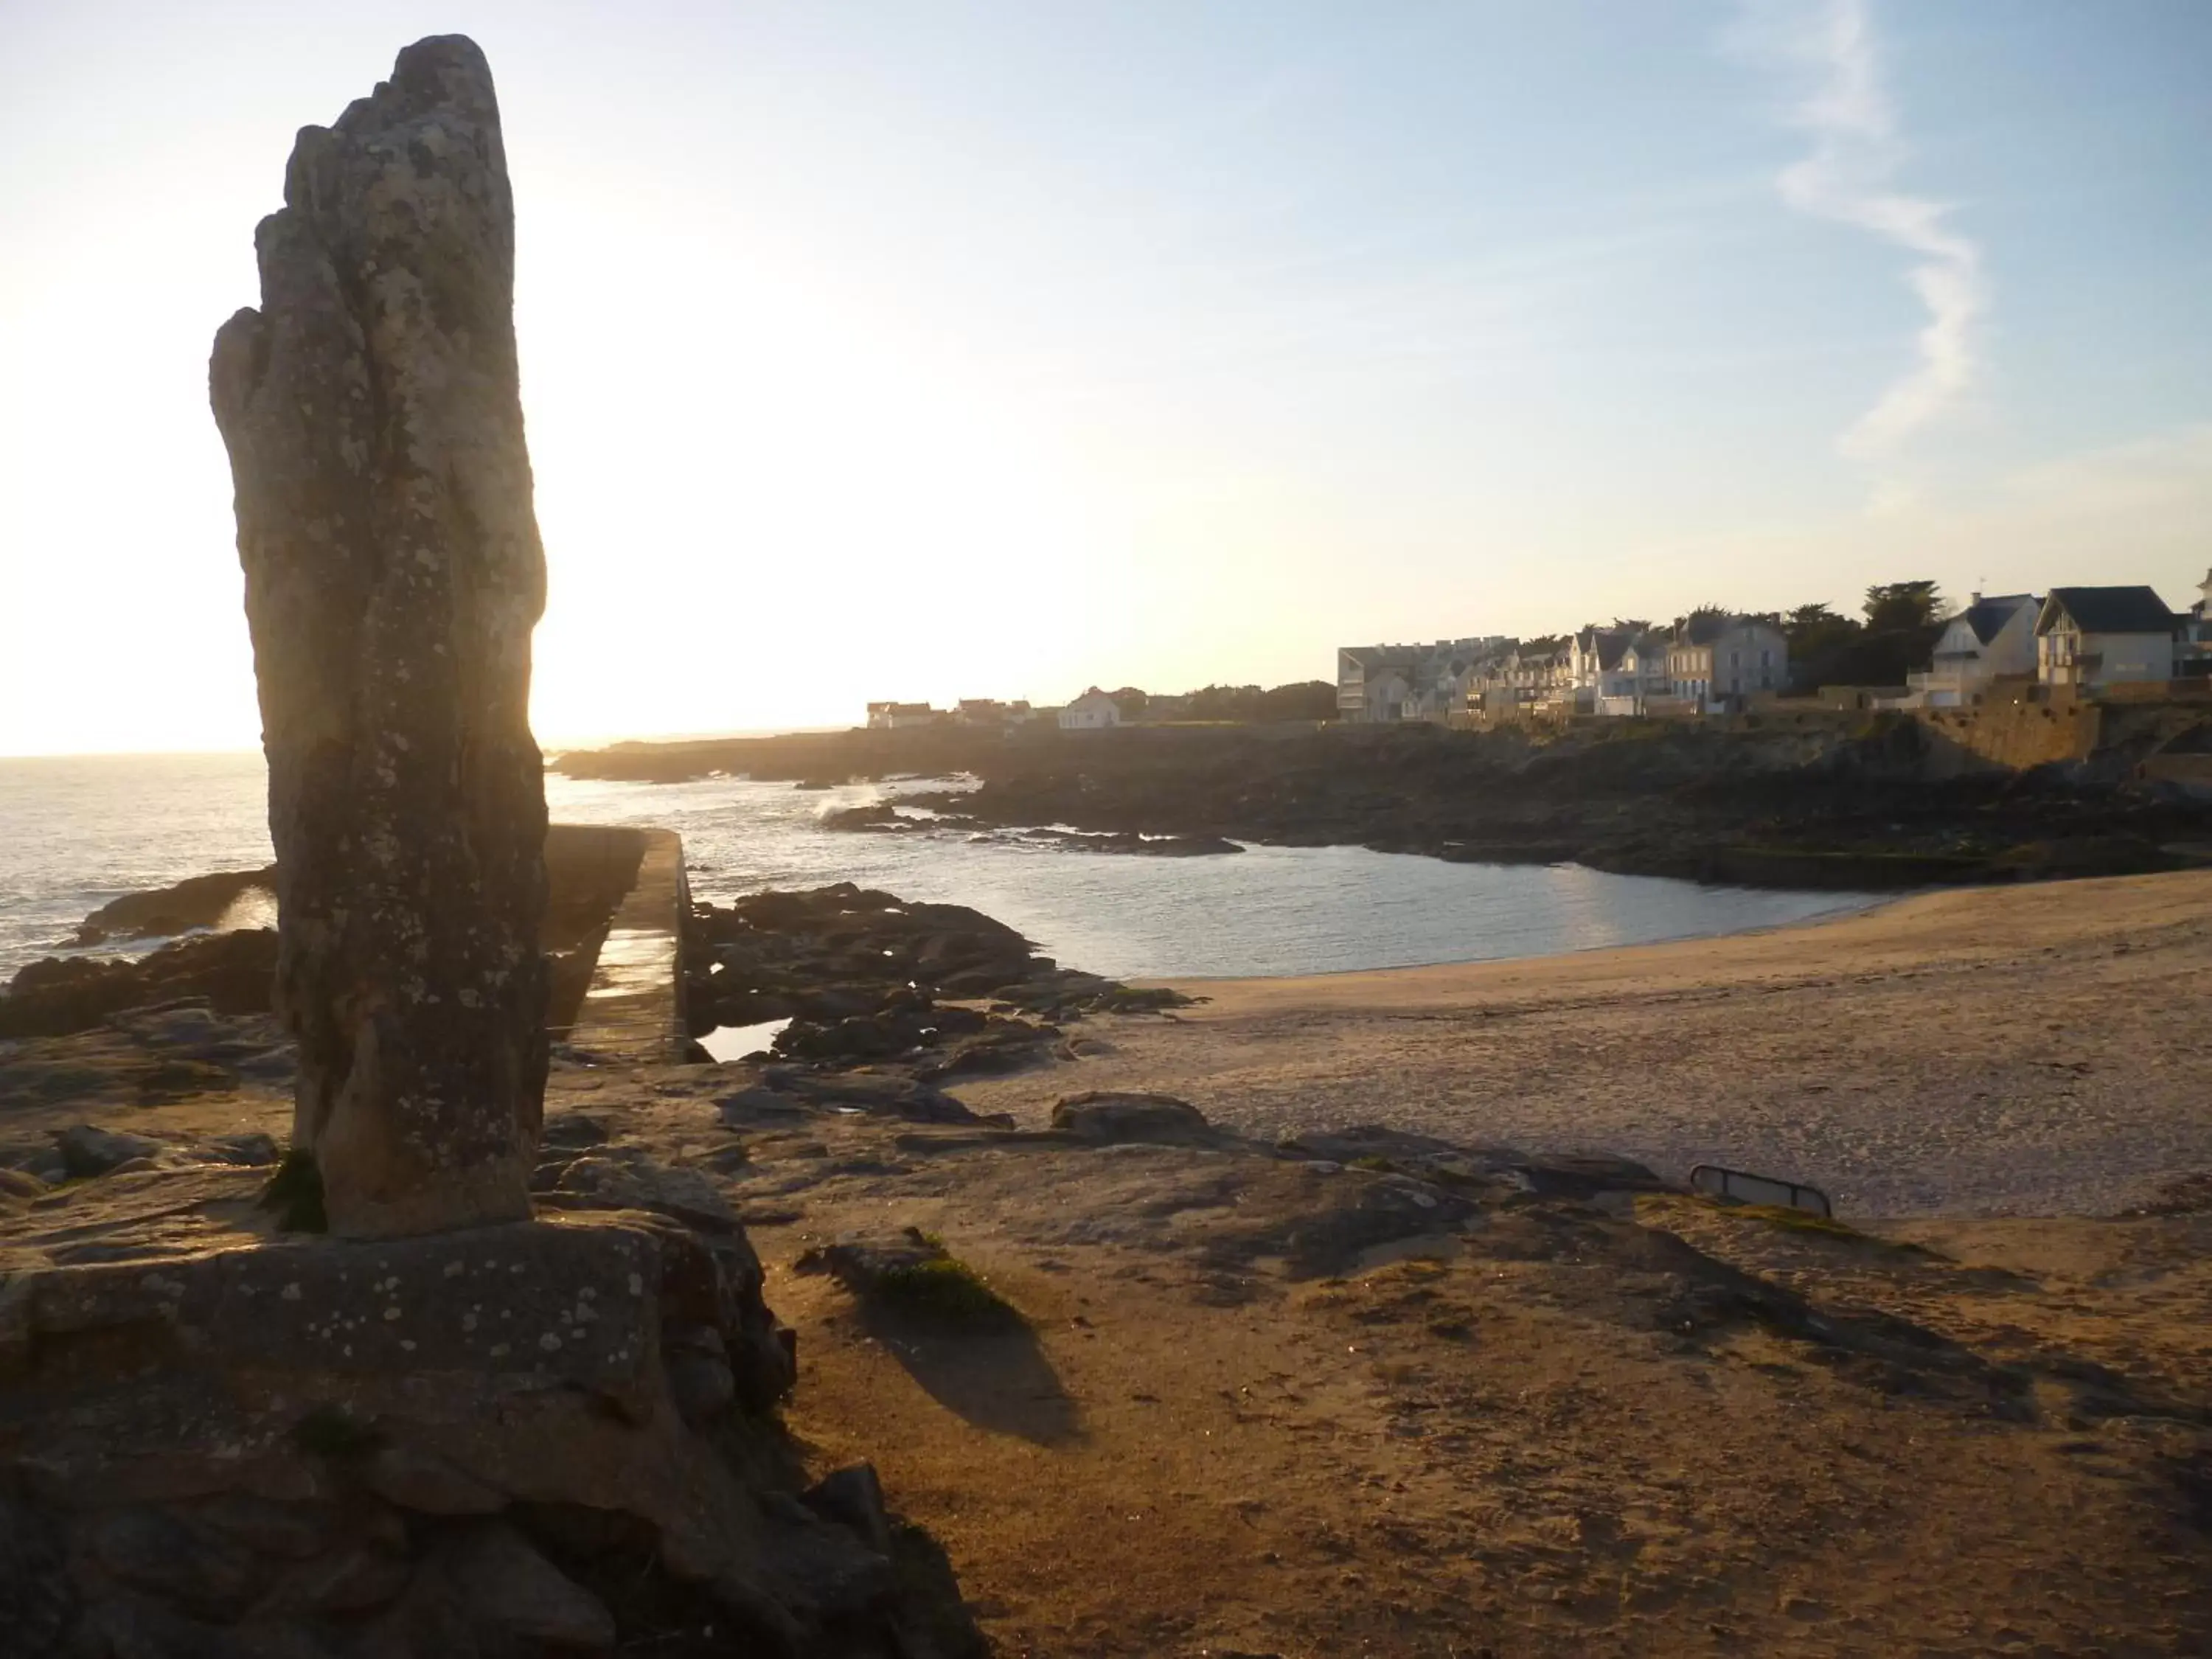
(2087, 637)
(1992, 638)
(1637, 673)
(1094, 711)
(1380, 683)
(1717, 663)
(898, 716)
(1596, 652)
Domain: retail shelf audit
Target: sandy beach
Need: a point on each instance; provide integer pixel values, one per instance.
(2035, 1050)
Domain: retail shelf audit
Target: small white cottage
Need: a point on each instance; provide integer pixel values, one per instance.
(1094, 711)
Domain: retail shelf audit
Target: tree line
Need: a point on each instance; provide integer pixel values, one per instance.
(1303, 700)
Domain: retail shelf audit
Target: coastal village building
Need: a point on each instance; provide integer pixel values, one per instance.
(1599, 671)
(1593, 658)
(2087, 637)
(989, 711)
(1521, 679)
(1638, 675)
(1094, 711)
(1991, 639)
(1379, 683)
(1714, 662)
(897, 716)
(1614, 670)
(2194, 655)
(1718, 663)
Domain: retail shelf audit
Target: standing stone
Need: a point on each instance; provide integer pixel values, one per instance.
(393, 574)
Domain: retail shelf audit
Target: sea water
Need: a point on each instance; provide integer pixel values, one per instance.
(76, 832)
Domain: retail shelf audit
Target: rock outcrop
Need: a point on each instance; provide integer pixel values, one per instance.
(864, 977)
(393, 574)
(196, 902)
(56, 995)
(520, 1439)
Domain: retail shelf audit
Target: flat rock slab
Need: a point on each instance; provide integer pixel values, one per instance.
(146, 1213)
(1118, 1119)
(524, 1359)
(531, 1305)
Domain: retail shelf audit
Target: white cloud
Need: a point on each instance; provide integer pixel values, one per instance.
(1856, 150)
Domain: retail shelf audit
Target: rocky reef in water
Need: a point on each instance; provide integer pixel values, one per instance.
(231, 973)
(196, 901)
(866, 977)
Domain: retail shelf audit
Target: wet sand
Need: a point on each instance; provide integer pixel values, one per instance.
(2033, 1050)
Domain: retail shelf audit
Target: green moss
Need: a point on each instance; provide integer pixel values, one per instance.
(296, 1193)
(1792, 1220)
(1789, 1220)
(1371, 1161)
(331, 1432)
(947, 1292)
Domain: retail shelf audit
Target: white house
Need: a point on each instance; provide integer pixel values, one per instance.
(1638, 671)
(1594, 654)
(2193, 656)
(2091, 636)
(1094, 711)
(1990, 638)
(898, 716)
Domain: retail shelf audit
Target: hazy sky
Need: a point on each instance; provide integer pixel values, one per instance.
(921, 348)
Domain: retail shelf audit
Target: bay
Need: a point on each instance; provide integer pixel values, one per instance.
(77, 831)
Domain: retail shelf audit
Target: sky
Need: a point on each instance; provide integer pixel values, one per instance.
(921, 350)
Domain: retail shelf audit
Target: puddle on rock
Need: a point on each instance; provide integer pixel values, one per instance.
(735, 1042)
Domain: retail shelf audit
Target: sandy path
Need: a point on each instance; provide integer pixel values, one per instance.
(2033, 1050)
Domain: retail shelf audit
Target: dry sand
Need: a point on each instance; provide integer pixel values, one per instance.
(2032, 1050)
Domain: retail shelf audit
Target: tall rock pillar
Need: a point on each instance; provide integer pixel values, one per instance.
(393, 575)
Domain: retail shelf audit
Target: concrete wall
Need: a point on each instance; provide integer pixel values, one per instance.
(633, 1011)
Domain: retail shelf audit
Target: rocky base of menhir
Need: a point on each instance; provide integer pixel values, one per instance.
(553, 1437)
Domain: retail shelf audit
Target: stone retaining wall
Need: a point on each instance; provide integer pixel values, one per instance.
(633, 1011)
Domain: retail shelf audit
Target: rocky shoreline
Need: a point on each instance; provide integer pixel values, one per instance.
(864, 977)
(1879, 805)
(857, 976)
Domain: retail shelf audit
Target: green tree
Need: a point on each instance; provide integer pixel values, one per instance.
(1823, 647)
(1701, 612)
(1897, 607)
(1305, 699)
